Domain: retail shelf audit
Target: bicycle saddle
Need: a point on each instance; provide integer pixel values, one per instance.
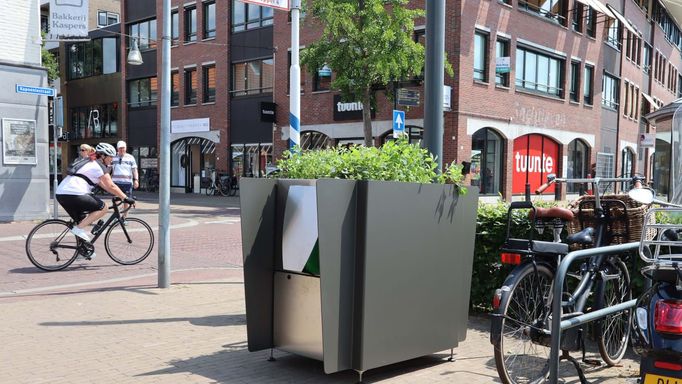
(551, 213)
(582, 237)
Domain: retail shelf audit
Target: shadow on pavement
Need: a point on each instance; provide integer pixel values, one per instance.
(207, 321)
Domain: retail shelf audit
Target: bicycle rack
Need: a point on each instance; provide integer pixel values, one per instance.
(581, 319)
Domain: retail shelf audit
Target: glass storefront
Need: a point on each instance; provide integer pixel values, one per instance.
(190, 157)
(252, 160)
(486, 167)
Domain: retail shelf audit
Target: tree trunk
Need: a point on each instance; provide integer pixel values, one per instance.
(367, 118)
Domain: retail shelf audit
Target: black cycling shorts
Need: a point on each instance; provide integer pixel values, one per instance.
(78, 206)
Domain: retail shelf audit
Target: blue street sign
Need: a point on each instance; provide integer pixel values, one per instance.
(43, 91)
(398, 123)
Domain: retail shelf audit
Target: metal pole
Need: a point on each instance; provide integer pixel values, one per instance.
(434, 78)
(295, 79)
(54, 161)
(164, 172)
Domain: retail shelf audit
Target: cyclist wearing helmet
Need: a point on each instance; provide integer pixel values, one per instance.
(74, 193)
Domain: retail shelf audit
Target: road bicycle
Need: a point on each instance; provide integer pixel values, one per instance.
(520, 328)
(219, 184)
(51, 246)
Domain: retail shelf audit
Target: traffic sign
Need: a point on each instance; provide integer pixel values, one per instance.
(398, 123)
(43, 91)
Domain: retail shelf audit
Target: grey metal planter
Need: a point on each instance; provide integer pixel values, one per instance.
(395, 271)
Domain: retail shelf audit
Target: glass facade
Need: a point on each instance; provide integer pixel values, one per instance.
(92, 58)
(143, 92)
(94, 121)
(144, 32)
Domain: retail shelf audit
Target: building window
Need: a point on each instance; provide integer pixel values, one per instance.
(252, 77)
(613, 33)
(538, 72)
(487, 161)
(175, 27)
(605, 168)
(190, 86)
(209, 83)
(92, 58)
(175, 89)
(322, 79)
(142, 92)
(105, 18)
(480, 56)
(646, 60)
(552, 9)
(94, 121)
(190, 24)
(577, 165)
(588, 85)
(209, 20)
(144, 32)
(609, 89)
(577, 17)
(575, 81)
(249, 16)
(591, 22)
(628, 165)
(502, 74)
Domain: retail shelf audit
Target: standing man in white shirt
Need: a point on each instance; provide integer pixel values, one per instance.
(124, 170)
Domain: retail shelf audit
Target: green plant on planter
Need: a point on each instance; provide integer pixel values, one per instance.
(395, 161)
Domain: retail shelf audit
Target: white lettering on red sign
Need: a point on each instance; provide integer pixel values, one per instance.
(543, 164)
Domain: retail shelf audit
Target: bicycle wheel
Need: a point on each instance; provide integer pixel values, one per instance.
(51, 246)
(131, 243)
(210, 191)
(224, 188)
(613, 331)
(517, 357)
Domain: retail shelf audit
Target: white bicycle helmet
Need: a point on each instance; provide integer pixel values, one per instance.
(105, 149)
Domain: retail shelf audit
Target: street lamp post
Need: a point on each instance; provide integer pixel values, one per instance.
(135, 58)
(434, 78)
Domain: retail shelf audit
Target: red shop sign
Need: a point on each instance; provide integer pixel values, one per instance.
(535, 156)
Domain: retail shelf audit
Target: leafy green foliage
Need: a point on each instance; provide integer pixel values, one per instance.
(50, 63)
(394, 161)
(367, 43)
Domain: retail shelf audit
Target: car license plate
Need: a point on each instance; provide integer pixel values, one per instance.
(656, 379)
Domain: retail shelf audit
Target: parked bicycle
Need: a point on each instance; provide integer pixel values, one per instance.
(219, 184)
(51, 246)
(520, 330)
(151, 180)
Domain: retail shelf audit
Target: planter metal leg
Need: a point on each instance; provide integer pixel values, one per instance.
(360, 376)
(272, 357)
(452, 354)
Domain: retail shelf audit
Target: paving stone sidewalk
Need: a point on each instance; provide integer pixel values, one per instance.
(194, 332)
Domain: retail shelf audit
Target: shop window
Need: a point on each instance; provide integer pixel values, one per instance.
(487, 161)
(534, 157)
(209, 20)
(577, 165)
(190, 24)
(481, 56)
(94, 121)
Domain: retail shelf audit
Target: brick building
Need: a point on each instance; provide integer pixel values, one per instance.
(581, 75)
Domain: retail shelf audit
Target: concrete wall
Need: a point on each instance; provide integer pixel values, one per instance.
(24, 188)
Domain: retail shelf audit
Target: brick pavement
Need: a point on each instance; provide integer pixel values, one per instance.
(102, 323)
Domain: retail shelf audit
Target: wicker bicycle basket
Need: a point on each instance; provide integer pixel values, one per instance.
(625, 217)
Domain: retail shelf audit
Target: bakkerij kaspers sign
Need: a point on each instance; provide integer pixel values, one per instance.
(68, 19)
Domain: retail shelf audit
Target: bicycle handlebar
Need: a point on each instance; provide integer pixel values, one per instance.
(637, 180)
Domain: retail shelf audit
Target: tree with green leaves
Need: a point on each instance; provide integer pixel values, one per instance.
(368, 44)
(49, 62)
